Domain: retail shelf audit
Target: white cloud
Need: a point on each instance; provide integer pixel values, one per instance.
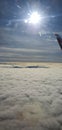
(31, 98)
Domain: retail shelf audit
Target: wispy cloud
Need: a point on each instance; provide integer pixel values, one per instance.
(21, 45)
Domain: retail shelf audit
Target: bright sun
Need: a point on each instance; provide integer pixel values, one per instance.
(34, 18)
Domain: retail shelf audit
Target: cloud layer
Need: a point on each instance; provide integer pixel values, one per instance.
(31, 98)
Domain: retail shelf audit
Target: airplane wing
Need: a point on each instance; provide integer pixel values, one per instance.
(59, 39)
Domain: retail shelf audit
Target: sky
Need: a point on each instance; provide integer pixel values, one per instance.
(23, 41)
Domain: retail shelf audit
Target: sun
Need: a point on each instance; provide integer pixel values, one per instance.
(34, 18)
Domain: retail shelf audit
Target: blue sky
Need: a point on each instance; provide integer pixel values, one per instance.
(20, 41)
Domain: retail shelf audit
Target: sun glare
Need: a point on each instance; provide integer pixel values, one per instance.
(34, 18)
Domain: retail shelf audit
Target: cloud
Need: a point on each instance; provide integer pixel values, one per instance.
(31, 98)
(21, 46)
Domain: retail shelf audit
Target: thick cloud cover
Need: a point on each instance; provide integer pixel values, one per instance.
(31, 96)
